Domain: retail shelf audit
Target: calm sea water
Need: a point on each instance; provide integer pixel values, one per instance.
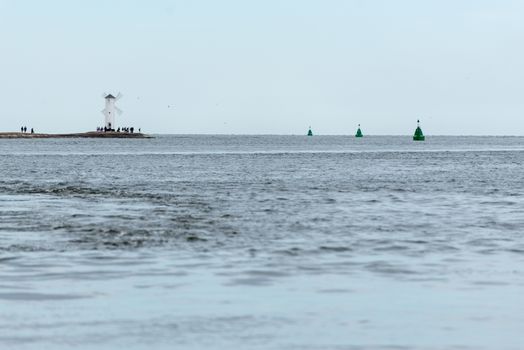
(262, 242)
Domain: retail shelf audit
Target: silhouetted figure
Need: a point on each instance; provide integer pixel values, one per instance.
(132, 130)
(32, 131)
(118, 130)
(25, 128)
(139, 130)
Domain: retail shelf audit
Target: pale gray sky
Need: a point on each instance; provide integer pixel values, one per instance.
(265, 67)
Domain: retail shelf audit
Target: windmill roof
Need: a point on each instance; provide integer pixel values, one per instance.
(110, 96)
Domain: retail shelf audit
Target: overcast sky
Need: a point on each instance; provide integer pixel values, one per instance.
(265, 67)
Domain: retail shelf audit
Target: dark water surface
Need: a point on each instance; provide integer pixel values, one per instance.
(262, 242)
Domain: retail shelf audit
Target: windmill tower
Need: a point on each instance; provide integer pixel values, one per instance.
(110, 110)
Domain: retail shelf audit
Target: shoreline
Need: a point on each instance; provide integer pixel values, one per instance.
(89, 134)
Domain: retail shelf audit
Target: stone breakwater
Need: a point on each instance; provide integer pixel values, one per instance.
(91, 134)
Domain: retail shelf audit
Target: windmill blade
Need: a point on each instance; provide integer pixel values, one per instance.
(104, 94)
(119, 96)
(119, 111)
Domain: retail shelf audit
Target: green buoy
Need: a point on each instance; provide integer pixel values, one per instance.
(359, 132)
(310, 133)
(419, 136)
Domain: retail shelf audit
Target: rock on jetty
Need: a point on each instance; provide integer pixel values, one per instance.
(90, 134)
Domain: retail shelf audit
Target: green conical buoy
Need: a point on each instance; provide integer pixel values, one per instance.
(359, 132)
(419, 136)
(310, 133)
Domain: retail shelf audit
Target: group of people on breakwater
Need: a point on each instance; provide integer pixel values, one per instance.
(23, 130)
(130, 130)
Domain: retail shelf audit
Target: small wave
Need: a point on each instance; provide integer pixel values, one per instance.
(26, 296)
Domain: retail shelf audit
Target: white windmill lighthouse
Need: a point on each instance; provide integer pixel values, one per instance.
(110, 110)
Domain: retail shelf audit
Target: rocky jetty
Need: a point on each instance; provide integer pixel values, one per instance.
(91, 134)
